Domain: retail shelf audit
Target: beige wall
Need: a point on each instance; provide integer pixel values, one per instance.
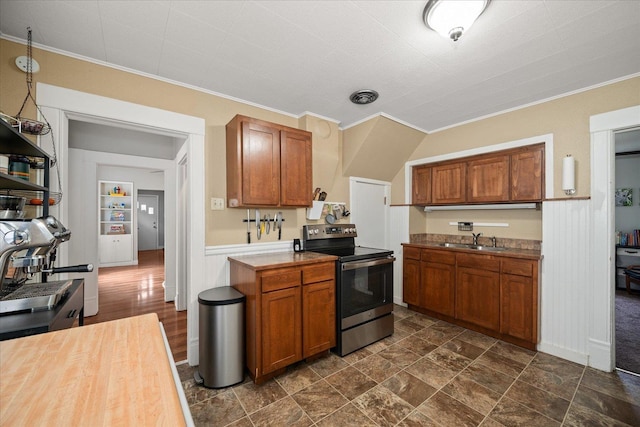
(222, 227)
(566, 118)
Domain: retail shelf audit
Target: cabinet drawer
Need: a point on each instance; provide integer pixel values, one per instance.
(519, 268)
(274, 280)
(441, 257)
(411, 253)
(631, 252)
(481, 262)
(318, 273)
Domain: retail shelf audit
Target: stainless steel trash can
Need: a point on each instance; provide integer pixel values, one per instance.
(221, 337)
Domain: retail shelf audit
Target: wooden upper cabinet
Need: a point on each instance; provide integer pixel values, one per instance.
(421, 185)
(527, 177)
(448, 183)
(267, 164)
(487, 179)
(295, 168)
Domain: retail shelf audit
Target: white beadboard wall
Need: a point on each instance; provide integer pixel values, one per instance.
(566, 251)
(399, 233)
(217, 274)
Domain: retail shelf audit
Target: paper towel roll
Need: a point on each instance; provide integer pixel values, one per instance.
(568, 174)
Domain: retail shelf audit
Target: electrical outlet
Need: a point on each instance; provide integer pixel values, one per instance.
(217, 204)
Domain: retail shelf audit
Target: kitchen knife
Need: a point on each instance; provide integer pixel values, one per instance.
(248, 226)
(316, 193)
(279, 214)
(267, 220)
(323, 196)
(258, 224)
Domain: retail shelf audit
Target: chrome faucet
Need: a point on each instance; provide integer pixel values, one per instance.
(475, 237)
(493, 241)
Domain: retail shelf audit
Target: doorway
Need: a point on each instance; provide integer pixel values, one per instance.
(627, 219)
(370, 211)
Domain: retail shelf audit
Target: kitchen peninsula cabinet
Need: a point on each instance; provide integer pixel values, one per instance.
(290, 308)
(267, 164)
(495, 294)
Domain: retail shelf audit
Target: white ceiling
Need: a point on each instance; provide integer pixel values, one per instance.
(309, 56)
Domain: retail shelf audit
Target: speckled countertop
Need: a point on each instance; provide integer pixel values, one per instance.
(509, 252)
(281, 259)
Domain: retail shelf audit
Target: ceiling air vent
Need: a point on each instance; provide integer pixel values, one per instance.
(364, 96)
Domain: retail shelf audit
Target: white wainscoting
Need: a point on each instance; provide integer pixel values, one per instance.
(566, 251)
(399, 233)
(217, 275)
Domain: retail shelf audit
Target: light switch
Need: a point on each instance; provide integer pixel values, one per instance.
(217, 204)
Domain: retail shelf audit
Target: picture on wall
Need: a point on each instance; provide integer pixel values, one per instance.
(624, 197)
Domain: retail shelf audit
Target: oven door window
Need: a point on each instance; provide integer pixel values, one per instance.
(366, 285)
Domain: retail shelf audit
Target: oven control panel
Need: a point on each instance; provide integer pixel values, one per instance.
(328, 231)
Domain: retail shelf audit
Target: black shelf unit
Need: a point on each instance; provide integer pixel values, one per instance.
(13, 142)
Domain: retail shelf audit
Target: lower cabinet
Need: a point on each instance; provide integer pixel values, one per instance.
(290, 314)
(494, 294)
(115, 249)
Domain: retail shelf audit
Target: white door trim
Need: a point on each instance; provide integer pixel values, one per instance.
(602, 287)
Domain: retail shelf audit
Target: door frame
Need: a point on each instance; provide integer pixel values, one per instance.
(601, 335)
(61, 103)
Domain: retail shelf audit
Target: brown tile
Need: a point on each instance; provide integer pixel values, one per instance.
(351, 382)
(328, 365)
(418, 419)
(463, 348)
(423, 320)
(357, 356)
(284, 412)
(399, 356)
(439, 333)
(411, 389)
(560, 367)
(185, 372)
(477, 339)
(196, 393)
(401, 312)
(546, 403)
(510, 413)
(417, 345)
(610, 406)
(448, 358)
(487, 377)
(513, 352)
(382, 406)
(254, 397)
(580, 416)
(564, 387)
(472, 394)
(408, 325)
(501, 363)
(377, 368)
(617, 384)
(296, 378)
(319, 400)
(242, 422)
(398, 334)
(431, 373)
(378, 346)
(220, 410)
(488, 422)
(449, 412)
(348, 415)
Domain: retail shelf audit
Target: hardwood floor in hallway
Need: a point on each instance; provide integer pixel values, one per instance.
(134, 290)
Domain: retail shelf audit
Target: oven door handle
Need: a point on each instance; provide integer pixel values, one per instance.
(363, 264)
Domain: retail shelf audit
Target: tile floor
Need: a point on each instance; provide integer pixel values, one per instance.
(429, 373)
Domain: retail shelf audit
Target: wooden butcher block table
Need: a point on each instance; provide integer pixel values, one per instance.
(109, 374)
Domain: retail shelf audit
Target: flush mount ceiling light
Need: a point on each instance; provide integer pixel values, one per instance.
(364, 96)
(452, 18)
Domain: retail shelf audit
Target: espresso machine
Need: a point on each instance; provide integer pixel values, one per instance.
(28, 248)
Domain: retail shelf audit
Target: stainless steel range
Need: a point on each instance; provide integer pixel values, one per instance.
(364, 285)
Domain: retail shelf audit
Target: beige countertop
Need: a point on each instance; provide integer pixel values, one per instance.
(107, 374)
(281, 259)
(509, 252)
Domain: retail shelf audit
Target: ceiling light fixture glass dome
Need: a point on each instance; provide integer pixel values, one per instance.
(452, 18)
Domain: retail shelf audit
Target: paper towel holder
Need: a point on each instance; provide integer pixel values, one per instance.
(569, 175)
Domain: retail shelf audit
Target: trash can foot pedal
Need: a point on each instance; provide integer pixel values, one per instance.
(198, 379)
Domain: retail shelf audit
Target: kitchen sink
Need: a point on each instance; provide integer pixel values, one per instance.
(474, 247)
